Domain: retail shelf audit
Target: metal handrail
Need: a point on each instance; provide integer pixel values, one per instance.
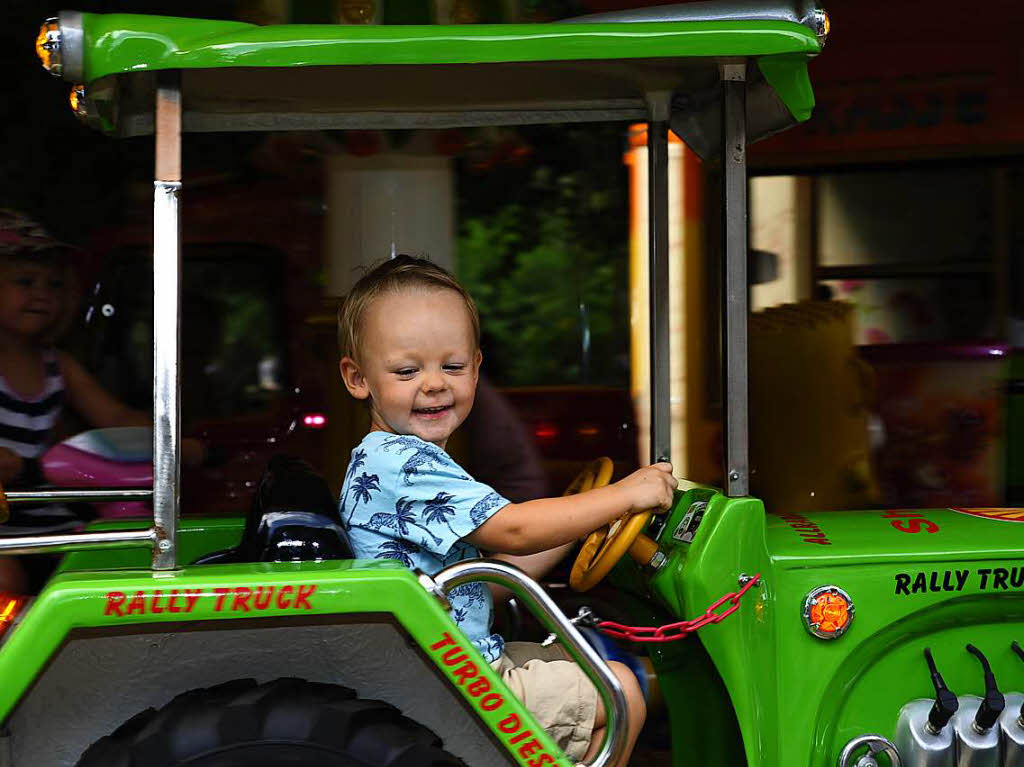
(90, 494)
(553, 619)
(36, 544)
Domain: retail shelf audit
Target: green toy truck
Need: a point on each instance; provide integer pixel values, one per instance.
(267, 645)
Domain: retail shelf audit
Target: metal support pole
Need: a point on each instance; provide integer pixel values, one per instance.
(166, 321)
(734, 310)
(657, 275)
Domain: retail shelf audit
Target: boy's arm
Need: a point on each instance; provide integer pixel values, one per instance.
(546, 523)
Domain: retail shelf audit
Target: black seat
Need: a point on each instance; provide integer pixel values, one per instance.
(294, 517)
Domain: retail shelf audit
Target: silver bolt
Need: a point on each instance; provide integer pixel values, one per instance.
(734, 475)
(164, 545)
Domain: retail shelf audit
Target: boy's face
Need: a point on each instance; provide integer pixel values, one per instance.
(418, 364)
(30, 296)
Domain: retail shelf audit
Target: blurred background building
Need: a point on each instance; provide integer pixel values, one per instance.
(899, 198)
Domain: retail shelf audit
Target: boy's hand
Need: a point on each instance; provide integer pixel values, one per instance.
(649, 488)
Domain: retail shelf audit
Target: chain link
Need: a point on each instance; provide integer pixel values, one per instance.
(672, 631)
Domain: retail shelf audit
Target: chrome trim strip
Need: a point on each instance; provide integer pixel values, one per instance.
(802, 12)
(533, 597)
(92, 494)
(72, 46)
(34, 544)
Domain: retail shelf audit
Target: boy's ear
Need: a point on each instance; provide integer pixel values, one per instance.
(477, 359)
(353, 378)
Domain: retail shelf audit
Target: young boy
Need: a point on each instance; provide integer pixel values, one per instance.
(409, 337)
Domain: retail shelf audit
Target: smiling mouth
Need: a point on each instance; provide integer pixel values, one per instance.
(432, 411)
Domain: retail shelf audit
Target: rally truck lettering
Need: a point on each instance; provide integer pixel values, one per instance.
(223, 599)
(983, 579)
(456, 663)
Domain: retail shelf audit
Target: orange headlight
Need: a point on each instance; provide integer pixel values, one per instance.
(828, 612)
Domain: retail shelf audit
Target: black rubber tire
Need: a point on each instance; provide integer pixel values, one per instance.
(284, 723)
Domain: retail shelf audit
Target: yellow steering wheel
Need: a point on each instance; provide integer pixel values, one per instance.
(608, 544)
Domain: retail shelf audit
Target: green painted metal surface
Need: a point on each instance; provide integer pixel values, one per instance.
(121, 600)
(196, 537)
(936, 578)
(118, 43)
(122, 44)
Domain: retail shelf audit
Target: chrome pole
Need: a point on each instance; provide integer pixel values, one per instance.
(93, 495)
(533, 597)
(734, 311)
(658, 277)
(166, 321)
(35, 544)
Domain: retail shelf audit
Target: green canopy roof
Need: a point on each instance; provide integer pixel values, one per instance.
(238, 76)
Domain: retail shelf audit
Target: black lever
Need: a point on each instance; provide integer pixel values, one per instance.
(1020, 654)
(993, 702)
(945, 704)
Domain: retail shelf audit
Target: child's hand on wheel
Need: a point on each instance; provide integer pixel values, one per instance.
(649, 488)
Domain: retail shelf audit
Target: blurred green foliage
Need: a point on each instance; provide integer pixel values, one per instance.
(543, 248)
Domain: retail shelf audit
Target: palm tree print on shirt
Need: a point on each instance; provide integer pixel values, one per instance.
(399, 550)
(361, 488)
(438, 510)
(358, 459)
(425, 456)
(401, 520)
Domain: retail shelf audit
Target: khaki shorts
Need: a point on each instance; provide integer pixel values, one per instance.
(555, 690)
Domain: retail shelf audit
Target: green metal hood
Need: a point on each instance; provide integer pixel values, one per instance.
(908, 536)
(936, 578)
(238, 76)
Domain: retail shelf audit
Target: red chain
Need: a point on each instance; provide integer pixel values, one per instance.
(672, 631)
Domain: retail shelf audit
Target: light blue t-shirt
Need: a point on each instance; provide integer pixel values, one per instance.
(406, 499)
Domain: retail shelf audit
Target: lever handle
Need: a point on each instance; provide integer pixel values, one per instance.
(1020, 654)
(993, 702)
(946, 703)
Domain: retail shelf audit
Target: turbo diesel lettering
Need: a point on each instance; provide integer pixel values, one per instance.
(224, 599)
(465, 673)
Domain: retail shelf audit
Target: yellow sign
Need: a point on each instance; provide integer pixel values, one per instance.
(1009, 515)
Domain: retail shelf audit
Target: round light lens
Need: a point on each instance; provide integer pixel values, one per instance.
(77, 100)
(823, 25)
(48, 47)
(828, 612)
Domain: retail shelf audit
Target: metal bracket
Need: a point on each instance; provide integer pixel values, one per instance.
(736, 73)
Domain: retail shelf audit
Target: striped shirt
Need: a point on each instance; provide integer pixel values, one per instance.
(26, 427)
(27, 422)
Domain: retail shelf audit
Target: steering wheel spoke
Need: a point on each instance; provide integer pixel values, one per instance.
(607, 545)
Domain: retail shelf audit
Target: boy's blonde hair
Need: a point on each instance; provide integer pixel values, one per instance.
(396, 274)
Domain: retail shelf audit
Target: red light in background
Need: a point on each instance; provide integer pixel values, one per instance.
(314, 420)
(545, 431)
(588, 431)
